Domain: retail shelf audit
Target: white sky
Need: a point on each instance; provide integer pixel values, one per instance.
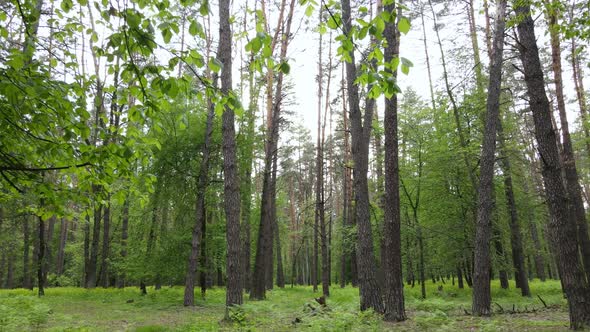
(455, 39)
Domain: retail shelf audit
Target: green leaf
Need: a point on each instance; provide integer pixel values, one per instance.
(66, 5)
(214, 65)
(285, 68)
(309, 11)
(404, 25)
(193, 29)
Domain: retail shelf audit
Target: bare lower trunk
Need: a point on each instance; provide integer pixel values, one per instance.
(482, 259)
(197, 236)
(104, 281)
(124, 235)
(63, 234)
(40, 257)
(231, 176)
(369, 288)
(515, 236)
(26, 259)
(93, 258)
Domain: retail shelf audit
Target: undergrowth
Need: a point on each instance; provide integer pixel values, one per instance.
(446, 309)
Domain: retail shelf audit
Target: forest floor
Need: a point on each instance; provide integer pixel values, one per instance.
(76, 309)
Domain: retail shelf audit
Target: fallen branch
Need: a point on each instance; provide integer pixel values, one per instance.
(499, 306)
(542, 301)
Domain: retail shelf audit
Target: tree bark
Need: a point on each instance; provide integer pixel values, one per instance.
(63, 235)
(561, 228)
(26, 259)
(40, 258)
(103, 278)
(482, 260)
(369, 288)
(93, 258)
(391, 259)
(124, 236)
(197, 236)
(569, 162)
(231, 176)
(264, 244)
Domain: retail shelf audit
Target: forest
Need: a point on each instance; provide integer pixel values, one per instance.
(272, 165)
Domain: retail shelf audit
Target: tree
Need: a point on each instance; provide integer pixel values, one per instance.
(481, 276)
(231, 176)
(392, 257)
(360, 129)
(562, 228)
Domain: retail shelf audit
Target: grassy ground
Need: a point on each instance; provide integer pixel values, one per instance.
(75, 309)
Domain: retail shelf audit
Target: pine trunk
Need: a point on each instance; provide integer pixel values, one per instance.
(231, 176)
(562, 229)
(391, 258)
(482, 259)
(569, 162)
(370, 290)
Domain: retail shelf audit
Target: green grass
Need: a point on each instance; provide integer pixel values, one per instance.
(75, 309)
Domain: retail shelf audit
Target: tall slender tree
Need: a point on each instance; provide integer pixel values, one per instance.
(392, 252)
(561, 228)
(230, 165)
(482, 259)
(360, 129)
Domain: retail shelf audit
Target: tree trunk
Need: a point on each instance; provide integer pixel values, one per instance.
(86, 250)
(482, 259)
(562, 229)
(40, 257)
(93, 258)
(204, 261)
(280, 270)
(124, 236)
(197, 236)
(48, 248)
(63, 235)
(569, 162)
(345, 248)
(231, 176)
(269, 276)
(319, 170)
(104, 279)
(538, 252)
(391, 259)
(26, 259)
(460, 277)
(515, 236)
(264, 244)
(370, 290)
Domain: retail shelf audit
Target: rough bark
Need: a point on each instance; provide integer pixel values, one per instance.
(189, 286)
(569, 162)
(391, 259)
(264, 244)
(482, 259)
(370, 290)
(562, 229)
(230, 169)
